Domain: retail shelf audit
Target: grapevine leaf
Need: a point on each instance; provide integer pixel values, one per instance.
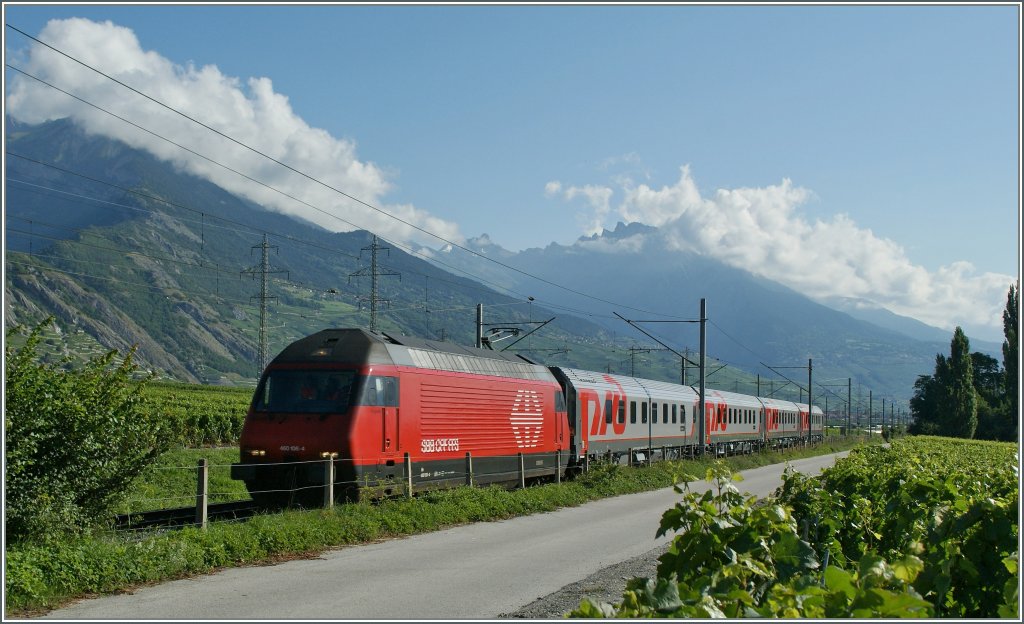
(907, 568)
(837, 579)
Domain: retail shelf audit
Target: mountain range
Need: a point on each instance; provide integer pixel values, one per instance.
(126, 250)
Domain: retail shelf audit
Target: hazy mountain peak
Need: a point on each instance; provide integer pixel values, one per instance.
(626, 230)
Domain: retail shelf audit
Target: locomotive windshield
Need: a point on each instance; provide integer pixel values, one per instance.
(310, 392)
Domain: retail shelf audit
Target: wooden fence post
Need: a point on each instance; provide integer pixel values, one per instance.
(408, 476)
(202, 492)
(329, 483)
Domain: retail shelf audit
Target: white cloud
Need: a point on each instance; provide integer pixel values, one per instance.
(596, 198)
(250, 112)
(760, 230)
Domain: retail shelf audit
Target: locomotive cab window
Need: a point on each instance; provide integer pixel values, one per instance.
(298, 391)
(379, 391)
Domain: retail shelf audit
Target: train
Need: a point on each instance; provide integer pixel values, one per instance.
(390, 412)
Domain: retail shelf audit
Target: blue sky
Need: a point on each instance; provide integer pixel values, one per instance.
(535, 124)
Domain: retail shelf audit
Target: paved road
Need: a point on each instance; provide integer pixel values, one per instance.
(476, 571)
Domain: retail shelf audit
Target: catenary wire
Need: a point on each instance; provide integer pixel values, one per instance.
(317, 181)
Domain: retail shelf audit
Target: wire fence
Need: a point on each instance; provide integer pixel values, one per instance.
(322, 482)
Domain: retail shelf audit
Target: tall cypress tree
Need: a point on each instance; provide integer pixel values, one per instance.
(960, 417)
(1011, 329)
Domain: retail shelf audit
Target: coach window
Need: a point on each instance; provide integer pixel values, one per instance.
(632, 412)
(654, 413)
(643, 413)
(674, 412)
(622, 412)
(608, 411)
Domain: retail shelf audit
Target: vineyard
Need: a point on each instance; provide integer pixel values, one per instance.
(204, 415)
(926, 527)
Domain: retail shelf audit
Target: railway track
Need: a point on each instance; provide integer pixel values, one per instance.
(184, 516)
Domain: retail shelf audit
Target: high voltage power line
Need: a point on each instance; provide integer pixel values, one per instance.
(257, 230)
(301, 173)
(177, 219)
(310, 178)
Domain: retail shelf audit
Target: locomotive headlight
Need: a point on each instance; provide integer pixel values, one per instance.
(326, 454)
(257, 452)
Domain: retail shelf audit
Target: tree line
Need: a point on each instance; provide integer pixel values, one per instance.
(969, 395)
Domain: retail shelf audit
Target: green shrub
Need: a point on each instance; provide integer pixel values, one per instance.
(737, 557)
(75, 439)
(926, 527)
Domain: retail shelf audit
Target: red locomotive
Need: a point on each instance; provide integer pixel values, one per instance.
(391, 411)
(368, 400)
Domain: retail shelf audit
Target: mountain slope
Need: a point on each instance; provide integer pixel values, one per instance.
(753, 323)
(130, 251)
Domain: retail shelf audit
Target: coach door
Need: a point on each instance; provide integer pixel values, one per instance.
(561, 418)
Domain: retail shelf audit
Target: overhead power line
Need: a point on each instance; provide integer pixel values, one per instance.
(305, 175)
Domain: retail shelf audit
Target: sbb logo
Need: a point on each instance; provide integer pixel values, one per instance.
(527, 418)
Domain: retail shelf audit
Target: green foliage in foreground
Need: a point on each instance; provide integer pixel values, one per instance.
(74, 441)
(924, 528)
(39, 577)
